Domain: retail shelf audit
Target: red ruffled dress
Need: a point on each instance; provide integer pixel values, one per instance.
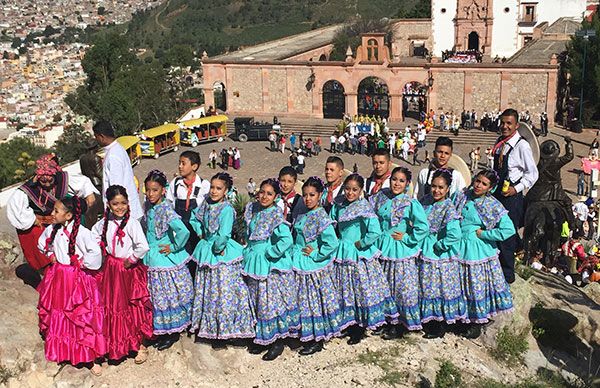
(71, 311)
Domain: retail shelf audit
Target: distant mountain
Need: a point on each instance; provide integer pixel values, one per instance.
(221, 25)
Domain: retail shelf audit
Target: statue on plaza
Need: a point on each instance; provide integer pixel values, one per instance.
(548, 205)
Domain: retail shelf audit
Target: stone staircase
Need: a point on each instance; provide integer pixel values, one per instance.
(324, 127)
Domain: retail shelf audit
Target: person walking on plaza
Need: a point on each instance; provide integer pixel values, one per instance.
(544, 124)
(333, 143)
(116, 169)
(293, 142)
(212, 159)
(282, 144)
(517, 171)
(272, 141)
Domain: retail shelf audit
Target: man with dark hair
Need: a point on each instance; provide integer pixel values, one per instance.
(116, 168)
(334, 174)
(441, 156)
(380, 177)
(517, 171)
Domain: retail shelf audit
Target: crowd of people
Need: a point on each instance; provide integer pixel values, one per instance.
(345, 255)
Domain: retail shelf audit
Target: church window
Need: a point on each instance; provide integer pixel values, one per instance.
(506, 10)
(372, 50)
(529, 13)
(443, 10)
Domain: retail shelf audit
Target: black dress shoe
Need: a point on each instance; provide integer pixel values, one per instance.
(311, 348)
(356, 333)
(274, 351)
(168, 342)
(380, 330)
(435, 330)
(256, 348)
(473, 332)
(218, 344)
(510, 279)
(393, 332)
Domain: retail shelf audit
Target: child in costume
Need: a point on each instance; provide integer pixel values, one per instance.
(442, 301)
(314, 243)
(221, 308)
(404, 225)
(169, 281)
(268, 272)
(70, 307)
(124, 284)
(366, 300)
(484, 222)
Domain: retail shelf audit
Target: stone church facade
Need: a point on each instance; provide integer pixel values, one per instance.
(293, 76)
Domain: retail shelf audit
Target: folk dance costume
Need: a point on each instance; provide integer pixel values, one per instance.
(70, 308)
(365, 294)
(483, 283)
(399, 258)
(268, 273)
(318, 298)
(221, 308)
(29, 210)
(169, 281)
(125, 293)
(439, 270)
(188, 195)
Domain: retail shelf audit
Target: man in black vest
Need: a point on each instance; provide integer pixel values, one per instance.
(517, 171)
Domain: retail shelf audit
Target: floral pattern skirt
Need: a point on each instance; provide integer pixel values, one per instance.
(403, 278)
(221, 308)
(441, 295)
(485, 290)
(172, 293)
(275, 304)
(319, 305)
(365, 293)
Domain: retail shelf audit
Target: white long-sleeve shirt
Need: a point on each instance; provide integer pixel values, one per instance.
(21, 215)
(520, 163)
(86, 247)
(458, 182)
(117, 171)
(133, 245)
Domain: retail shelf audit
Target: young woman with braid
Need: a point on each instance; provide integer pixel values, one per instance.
(314, 243)
(485, 222)
(366, 301)
(169, 281)
(221, 308)
(70, 308)
(404, 226)
(124, 284)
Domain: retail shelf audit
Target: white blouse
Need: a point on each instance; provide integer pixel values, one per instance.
(86, 247)
(21, 215)
(133, 245)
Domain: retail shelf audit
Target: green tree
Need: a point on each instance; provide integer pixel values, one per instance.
(574, 66)
(179, 55)
(72, 143)
(10, 153)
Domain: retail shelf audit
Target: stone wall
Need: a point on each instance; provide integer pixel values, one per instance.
(406, 32)
(485, 92)
(450, 91)
(248, 83)
(277, 90)
(528, 92)
(299, 99)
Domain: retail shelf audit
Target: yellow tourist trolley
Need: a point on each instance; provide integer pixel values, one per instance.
(203, 129)
(158, 140)
(132, 146)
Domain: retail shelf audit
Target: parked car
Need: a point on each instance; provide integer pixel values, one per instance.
(248, 129)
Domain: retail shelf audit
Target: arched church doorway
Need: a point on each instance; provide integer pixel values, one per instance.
(220, 96)
(414, 100)
(373, 97)
(473, 43)
(334, 101)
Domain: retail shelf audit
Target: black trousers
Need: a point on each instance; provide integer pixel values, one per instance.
(516, 210)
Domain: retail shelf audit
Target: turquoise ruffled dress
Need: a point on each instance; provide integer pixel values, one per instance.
(169, 281)
(269, 275)
(483, 284)
(318, 297)
(221, 308)
(400, 213)
(439, 270)
(365, 294)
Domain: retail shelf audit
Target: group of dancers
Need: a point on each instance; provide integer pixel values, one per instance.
(388, 263)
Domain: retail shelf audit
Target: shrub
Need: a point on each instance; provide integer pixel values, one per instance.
(448, 376)
(510, 346)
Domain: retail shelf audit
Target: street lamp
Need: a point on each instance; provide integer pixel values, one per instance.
(585, 34)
